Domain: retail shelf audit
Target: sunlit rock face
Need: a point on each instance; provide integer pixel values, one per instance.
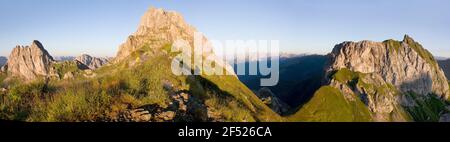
(30, 62)
(385, 76)
(404, 64)
(161, 29)
(91, 62)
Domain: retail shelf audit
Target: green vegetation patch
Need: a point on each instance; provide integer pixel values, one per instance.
(345, 75)
(121, 86)
(329, 105)
(62, 68)
(427, 108)
(2, 76)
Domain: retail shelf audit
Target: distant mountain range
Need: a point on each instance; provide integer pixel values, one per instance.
(441, 58)
(281, 56)
(3, 60)
(445, 65)
(300, 77)
(364, 81)
(64, 58)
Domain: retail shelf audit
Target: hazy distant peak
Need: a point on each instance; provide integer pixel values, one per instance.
(91, 62)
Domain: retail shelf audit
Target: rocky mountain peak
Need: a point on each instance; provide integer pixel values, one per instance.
(156, 29)
(408, 39)
(405, 64)
(160, 29)
(37, 44)
(29, 62)
(384, 81)
(91, 62)
(159, 19)
(387, 76)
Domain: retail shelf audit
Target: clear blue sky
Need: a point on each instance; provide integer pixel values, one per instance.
(98, 27)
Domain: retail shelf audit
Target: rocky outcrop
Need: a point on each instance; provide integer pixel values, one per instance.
(160, 29)
(404, 64)
(63, 58)
(91, 62)
(183, 107)
(389, 77)
(157, 28)
(30, 62)
(382, 99)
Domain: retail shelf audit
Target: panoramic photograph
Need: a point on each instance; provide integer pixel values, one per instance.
(224, 61)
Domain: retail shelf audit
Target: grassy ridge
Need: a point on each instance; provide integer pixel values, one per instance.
(329, 105)
(140, 80)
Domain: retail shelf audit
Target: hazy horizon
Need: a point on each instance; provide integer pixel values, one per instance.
(98, 27)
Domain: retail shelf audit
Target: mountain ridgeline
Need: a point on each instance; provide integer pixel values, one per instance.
(362, 81)
(29, 62)
(379, 81)
(300, 77)
(358, 81)
(136, 86)
(91, 62)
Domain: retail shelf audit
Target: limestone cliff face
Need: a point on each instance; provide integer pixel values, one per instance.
(91, 62)
(382, 99)
(390, 77)
(30, 62)
(405, 64)
(160, 29)
(157, 28)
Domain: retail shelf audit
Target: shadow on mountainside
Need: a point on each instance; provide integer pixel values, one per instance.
(422, 107)
(299, 78)
(420, 84)
(191, 105)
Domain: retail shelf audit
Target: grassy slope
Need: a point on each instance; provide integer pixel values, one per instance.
(329, 105)
(340, 109)
(120, 85)
(355, 80)
(428, 109)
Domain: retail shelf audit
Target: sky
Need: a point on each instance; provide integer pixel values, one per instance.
(98, 27)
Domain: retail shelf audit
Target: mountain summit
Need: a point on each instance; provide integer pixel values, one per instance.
(29, 62)
(379, 81)
(91, 62)
(404, 64)
(162, 27)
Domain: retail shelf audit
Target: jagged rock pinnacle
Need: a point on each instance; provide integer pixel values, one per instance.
(160, 28)
(29, 62)
(403, 64)
(91, 62)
